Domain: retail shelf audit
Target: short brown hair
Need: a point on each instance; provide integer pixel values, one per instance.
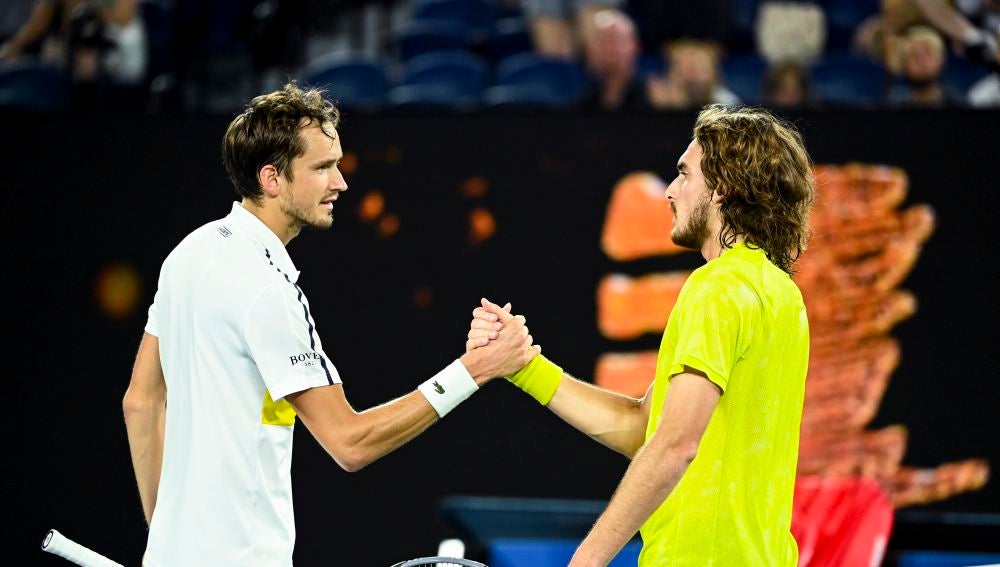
(759, 166)
(267, 132)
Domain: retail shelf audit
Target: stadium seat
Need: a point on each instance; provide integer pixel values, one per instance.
(509, 36)
(744, 21)
(351, 81)
(844, 79)
(429, 96)
(961, 74)
(542, 78)
(459, 72)
(523, 97)
(651, 64)
(423, 36)
(743, 74)
(440, 79)
(474, 16)
(31, 85)
(843, 19)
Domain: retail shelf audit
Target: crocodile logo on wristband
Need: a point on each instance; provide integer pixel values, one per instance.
(438, 388)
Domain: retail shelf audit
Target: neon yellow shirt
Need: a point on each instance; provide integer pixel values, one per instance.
(741, 321)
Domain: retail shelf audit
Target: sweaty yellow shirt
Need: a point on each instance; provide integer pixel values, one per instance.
(741, 321)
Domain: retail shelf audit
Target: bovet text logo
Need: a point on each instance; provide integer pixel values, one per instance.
(306, 358)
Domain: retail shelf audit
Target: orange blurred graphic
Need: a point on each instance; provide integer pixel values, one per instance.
(639, 219)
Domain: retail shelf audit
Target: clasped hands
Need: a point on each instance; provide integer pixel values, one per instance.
(501, 337)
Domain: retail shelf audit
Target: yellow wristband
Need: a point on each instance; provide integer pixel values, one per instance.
(540, 378)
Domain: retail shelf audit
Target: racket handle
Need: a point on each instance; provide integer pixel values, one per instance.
(58, 544)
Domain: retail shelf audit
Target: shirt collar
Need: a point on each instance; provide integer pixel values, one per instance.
(260, 233)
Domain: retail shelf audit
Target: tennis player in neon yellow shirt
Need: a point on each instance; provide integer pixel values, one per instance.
(714, 441)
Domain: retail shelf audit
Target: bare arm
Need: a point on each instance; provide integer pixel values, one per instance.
(945, 18)
(656, 469)
(145, 407)
(614, 420)
(355, 439)
(31, 31)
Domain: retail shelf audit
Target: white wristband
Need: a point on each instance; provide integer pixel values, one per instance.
(448, 388)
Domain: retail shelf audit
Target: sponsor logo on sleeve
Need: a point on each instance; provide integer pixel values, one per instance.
(305, 359)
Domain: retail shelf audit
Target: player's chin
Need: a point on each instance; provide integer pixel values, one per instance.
(322, 222)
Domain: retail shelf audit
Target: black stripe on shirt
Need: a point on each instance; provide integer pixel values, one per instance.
(305, 312)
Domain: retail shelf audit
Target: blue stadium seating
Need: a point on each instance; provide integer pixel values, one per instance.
(743, 74)
(474, 16)
(351, 81)
(552, 78)
(423, 36)
(509, 36)
(429, 96)
(523, 97)
(459, 72)
(844, 79)
(961, 74)
(843, 18)
(31, 85)
(651, 64)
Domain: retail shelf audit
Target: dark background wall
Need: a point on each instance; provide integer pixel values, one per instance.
(84, 192)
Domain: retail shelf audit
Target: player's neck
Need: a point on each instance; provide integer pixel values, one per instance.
(712, 248)
(275, 219)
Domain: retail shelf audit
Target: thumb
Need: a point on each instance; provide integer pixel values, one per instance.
(503, 315)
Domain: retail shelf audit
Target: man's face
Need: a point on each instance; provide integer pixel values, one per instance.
(308, 200)
(690, 200)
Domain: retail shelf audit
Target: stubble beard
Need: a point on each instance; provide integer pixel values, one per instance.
(693, 234)
(304, 215)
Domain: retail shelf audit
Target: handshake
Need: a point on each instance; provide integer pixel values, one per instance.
(499, 344)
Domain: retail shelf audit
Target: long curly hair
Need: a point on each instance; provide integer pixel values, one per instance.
(759, 166)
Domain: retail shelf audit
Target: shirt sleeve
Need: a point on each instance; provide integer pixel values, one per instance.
(715, 320)
(281, 336)
(153, 318)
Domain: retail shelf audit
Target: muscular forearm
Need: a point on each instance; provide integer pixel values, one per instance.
(144, 421)
(614, 420)
(653, 474)
(383, 429)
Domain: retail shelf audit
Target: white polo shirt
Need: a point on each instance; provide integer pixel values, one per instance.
(236, 335)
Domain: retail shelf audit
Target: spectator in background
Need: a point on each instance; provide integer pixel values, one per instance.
(922, 58)
(786, 85)
(973, 26)
(563, 28)
(693, 78)
(94, 39)
(612, 58)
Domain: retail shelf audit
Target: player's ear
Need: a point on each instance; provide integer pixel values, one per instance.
(268, 179)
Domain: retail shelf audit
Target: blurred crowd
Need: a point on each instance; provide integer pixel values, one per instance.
(606, 55)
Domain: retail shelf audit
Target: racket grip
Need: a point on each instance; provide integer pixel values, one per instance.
(58, 544)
